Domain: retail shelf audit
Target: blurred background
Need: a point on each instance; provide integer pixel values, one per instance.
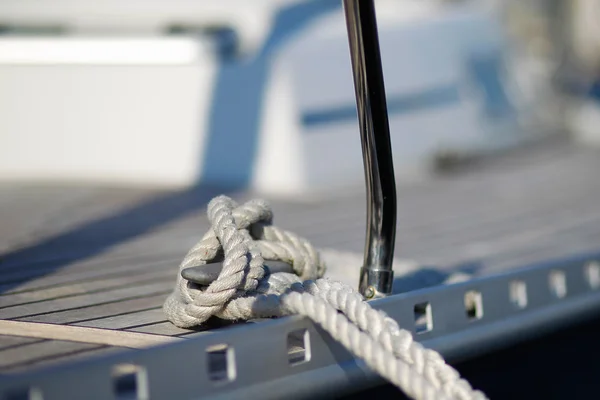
(260, 94)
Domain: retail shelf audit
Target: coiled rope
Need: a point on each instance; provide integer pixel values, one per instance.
(243, 237)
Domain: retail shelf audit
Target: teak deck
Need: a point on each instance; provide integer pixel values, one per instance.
(107, 258)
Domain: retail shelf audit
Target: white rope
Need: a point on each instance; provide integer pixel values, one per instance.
(243, 237)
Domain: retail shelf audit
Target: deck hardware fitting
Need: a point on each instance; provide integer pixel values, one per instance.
(363, 39)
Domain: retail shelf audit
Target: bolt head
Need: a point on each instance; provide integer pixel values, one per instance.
(370, 292)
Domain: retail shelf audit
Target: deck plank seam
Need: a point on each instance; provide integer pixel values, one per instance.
(86, 306)
(167, 274)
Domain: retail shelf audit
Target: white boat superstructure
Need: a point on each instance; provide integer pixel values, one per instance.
(111, 85)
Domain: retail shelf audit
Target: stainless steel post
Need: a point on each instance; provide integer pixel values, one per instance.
(376, 276)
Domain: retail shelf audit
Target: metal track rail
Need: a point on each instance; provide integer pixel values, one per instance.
(293, 358)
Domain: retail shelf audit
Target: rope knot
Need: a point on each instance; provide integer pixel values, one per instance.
(242, 237)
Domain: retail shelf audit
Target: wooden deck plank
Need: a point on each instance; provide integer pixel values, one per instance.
(37, 212)
(50, 281)
(74, 261)
(498, 216)
(14, 356)
(109, 296)
(145, 317)
(98, 267)
(100, 310)
(59, 358)
(82, 334)
(511, 240)
(11, 341)
(162, 328)
(88, 287)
